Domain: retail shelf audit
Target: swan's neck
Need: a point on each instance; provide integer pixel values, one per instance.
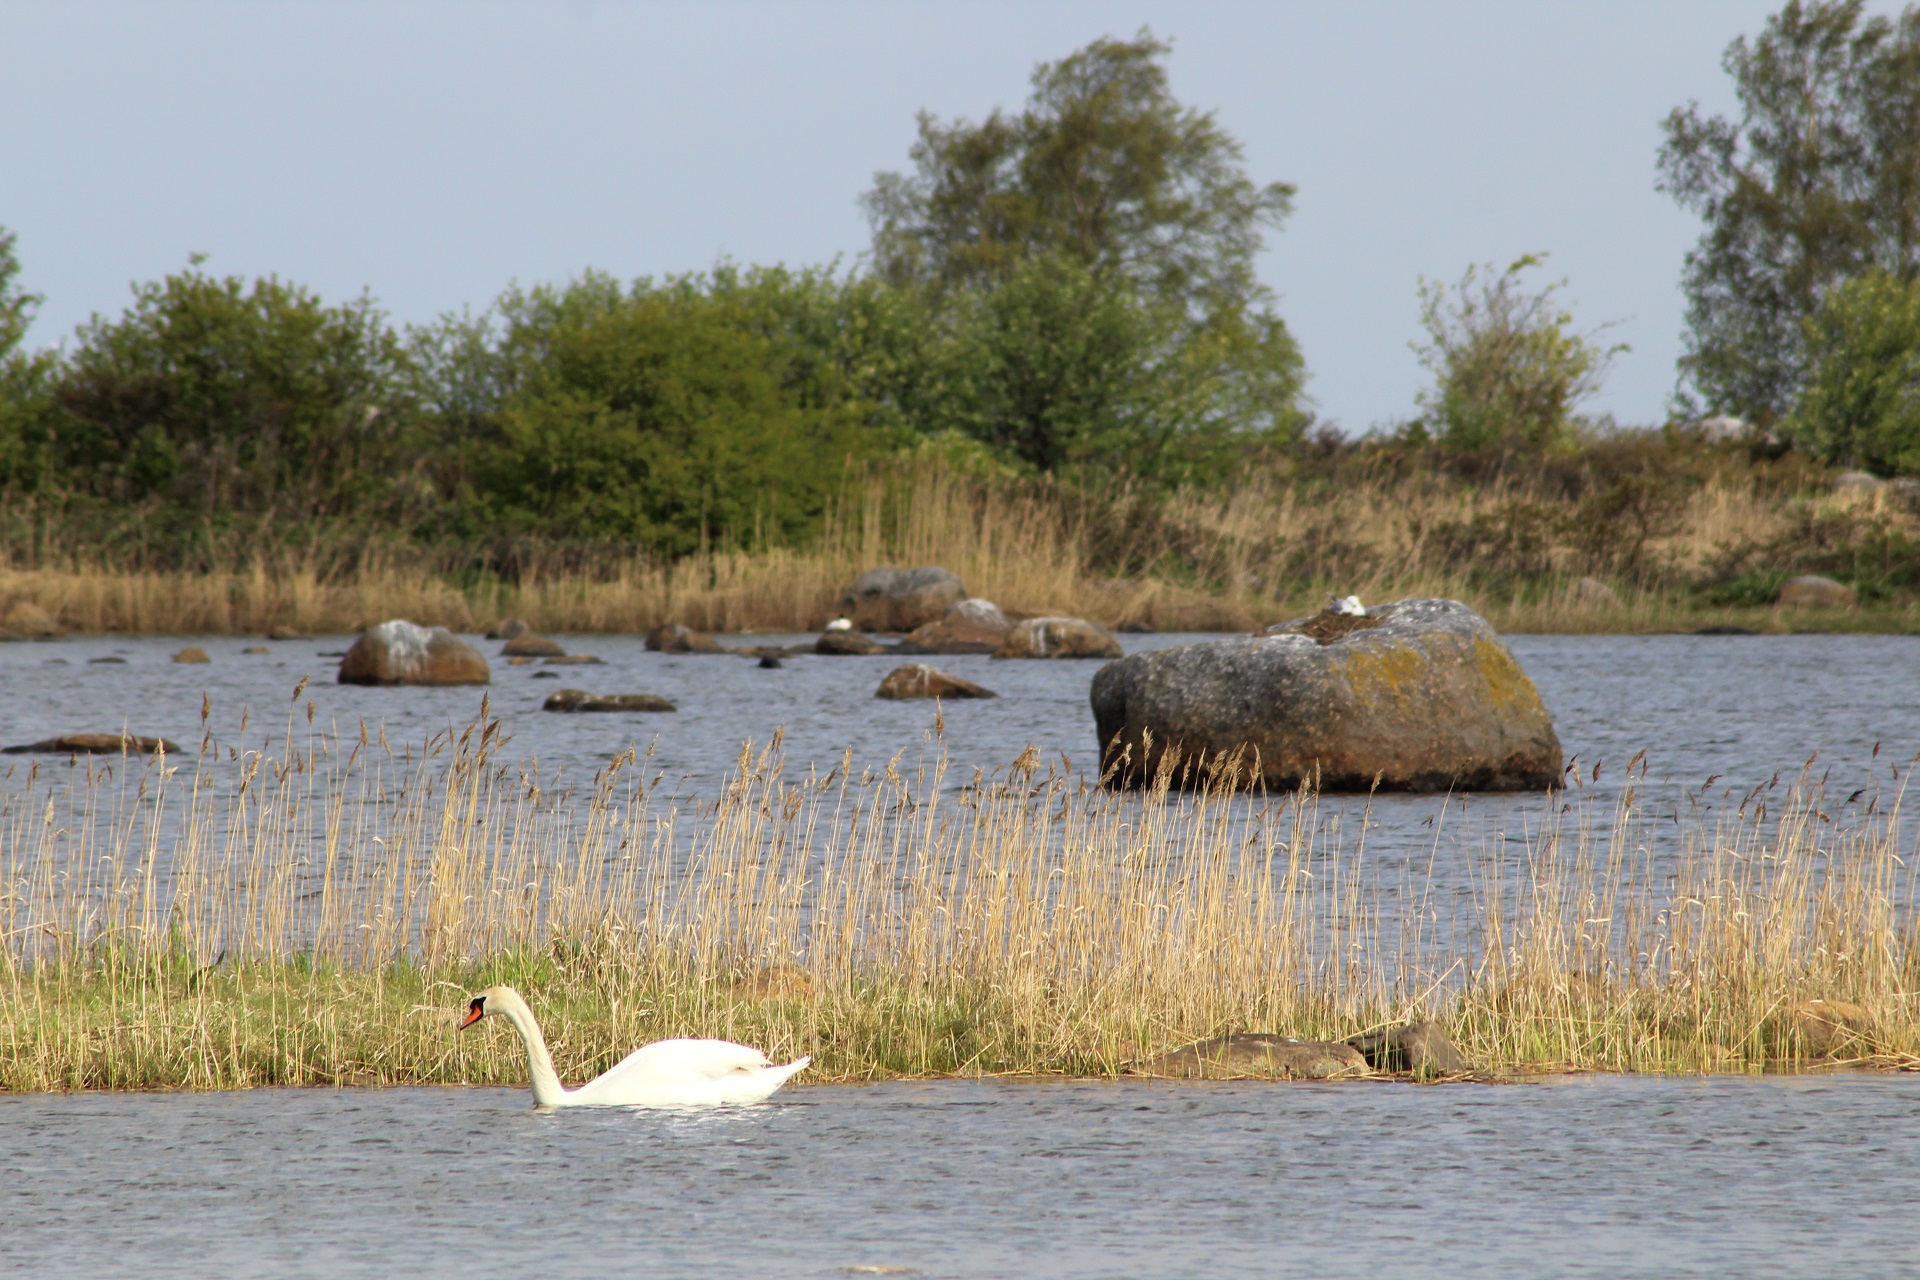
(546, 1083)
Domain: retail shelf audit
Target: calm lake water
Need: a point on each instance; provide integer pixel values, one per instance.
(1582, 1177)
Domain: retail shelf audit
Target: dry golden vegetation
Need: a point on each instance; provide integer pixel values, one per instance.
(314, 910)
(1682, 538)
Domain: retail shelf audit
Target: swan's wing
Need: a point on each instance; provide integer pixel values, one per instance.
(678, 1062)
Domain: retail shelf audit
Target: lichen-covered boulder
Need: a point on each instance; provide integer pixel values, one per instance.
(968, 626)
(1058, 638)
(895, 599)
(1420, 694)
(918, 680)
(671, 637)
(402, 652)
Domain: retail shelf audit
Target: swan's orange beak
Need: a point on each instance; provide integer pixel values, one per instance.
(475, 1011)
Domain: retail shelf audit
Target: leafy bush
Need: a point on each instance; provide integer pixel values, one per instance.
(1508, 372)
(1861, 406)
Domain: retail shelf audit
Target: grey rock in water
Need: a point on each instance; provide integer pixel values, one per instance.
(1420, 1047)
(896, 599)
(1058, 638)
(1811, 591)
(192, 653)
(969, 626)
(529, 645)
(402, 652)
(918, 680)
(1243, 1055)
(848, 644)
(1420, 695)
(509, 629)
(581, 700)
(94, 743)
(671, 637)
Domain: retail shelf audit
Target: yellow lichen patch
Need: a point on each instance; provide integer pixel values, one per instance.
(1508, 687)
(1380, 675)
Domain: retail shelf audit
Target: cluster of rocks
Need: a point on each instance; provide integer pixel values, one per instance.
(1418, 1048)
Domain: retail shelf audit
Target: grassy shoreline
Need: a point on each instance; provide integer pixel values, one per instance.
(314, 912)
(1675, 543)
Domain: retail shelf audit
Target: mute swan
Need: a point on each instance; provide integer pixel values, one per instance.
(1348, 605)
(667, 1073)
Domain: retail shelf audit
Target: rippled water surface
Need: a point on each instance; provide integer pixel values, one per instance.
(1584, 1177)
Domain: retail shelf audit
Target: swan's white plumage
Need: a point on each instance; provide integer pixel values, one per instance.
(666, 1073)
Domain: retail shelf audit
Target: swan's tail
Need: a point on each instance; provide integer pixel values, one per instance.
(774, 1077)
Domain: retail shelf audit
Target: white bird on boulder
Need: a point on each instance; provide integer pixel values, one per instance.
(1348, 605)
(840, 624)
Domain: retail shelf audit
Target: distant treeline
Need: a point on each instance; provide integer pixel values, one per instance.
(1066, 292)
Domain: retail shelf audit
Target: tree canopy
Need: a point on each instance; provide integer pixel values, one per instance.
(1103, 166)
(1816, 181)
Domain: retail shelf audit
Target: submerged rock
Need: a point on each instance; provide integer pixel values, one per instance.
(92, 743)
(529, 645)
(1058, 638)
(918, 680)
(574, 660)
(1423, 697)
(401, 652)
(1243, 1055)
(671, 637)
(847, 644)
(897, 599)
(581, 700)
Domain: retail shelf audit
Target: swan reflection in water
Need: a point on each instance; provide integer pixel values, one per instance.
(666, 1073)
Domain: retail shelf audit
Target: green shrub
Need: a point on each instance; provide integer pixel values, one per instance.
(1861, 406)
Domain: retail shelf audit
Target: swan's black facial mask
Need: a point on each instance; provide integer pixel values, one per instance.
(475, 1011)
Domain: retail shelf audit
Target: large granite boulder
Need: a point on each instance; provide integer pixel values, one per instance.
(1058, 638)
(918, 680)
(969, 626)
(1244, 1055)
(1420, 694)
(402, 652)
(671, 637)
(894, 599)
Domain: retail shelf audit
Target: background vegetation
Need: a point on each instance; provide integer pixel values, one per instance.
(1059, 325)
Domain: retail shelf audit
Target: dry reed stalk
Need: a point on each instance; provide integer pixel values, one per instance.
(311, 910)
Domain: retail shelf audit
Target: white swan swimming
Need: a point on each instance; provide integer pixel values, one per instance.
(667, 1073)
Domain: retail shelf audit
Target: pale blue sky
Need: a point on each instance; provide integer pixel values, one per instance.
(432, 152)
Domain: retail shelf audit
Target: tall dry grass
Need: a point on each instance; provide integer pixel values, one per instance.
(1270, 549)
(314, 910)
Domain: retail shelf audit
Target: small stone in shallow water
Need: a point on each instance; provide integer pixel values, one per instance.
(192, 653)
(99, 661)
(546, 675)
(89, 743)
(581, 700)
(258, 648)
(769, 663)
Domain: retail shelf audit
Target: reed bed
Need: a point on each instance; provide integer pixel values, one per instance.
(1194, 561)
(313, 911)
